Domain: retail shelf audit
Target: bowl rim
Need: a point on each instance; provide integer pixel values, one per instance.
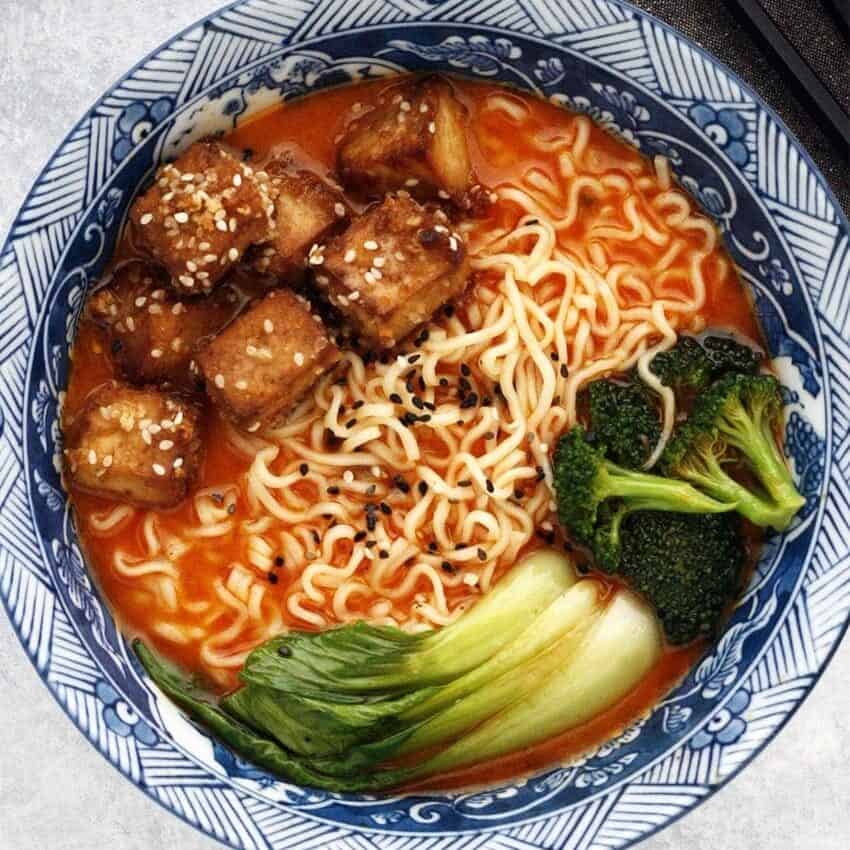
(639, 14)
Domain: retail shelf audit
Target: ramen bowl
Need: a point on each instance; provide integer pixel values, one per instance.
(641, 81)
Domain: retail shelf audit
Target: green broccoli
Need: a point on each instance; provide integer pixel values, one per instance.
(738, 412)
(595, 495)
(692, 366)
(624, 420)
(688, 567)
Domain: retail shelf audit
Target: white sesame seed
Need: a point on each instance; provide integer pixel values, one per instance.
(141, 301)
(350, 256)
(254, 427)
(443, 194)
(411, 181)
(452, 243)
(399, 256)
(404, 106)
(147, 218)
(178, 308)
(186, 280)
(187, 178)
(268, 326)
(376, 471)
(204, 246)
(348, 476)
(191, 265)
(107, 461)
(339, 209)
(299, 358)
(181, 217)
(237, 180)
(221, 225)
(165, 445)
(156, 353)
(370, 245)
(250, 350)
(233, 255)
(354, 296)
(241, 384)
(92, 457)
(178, 462)
(219, 380)
(131, 324)
(369, 277)
(159, 469)
(432, 128)
(178, 419)
(233, 224)
(470, 579)
(146, 436)
(423, 107)
(379, 262)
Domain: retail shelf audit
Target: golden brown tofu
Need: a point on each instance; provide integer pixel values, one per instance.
(414, 139)
(200, 216)
(306, 210)
(141, 446)
(153, 335)
(395, 265)
(265, 360)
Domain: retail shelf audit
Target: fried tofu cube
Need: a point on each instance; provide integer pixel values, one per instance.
(307, 210)
(414, 139)
(266, 360)
(142, 446)
(201, 215)
(393, 268)
(153, 334)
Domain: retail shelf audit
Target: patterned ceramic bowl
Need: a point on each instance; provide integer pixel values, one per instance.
(641, 80)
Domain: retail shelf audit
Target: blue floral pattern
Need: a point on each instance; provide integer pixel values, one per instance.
(135, 123)
(725, 128)
(121, 717)
(725, 727)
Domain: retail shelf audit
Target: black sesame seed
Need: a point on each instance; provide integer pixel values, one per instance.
(402, 485)
(383, 554)
(360, 536)
(490, 487)
(444, 382)
(465, 370)
(370, 544)
(432, 546)
(370, 490)
(278, 561)
(564, 371)
(303, 469)
(423, 487)
(284, 651)
(519, 494)
(421, 382)
(333, 490)
(413, 358)
(430, 405)
(464, 385)
(486, 401)
(247, 154)
(116, 346)
(371, 522)
(272, 577)
(395, 398)
(231, 509)
(449, 310)
(459, 546)
(540, 473)
(385, 508)
(482, 555)
(448, 567)
(316, 536)
(464, 482)
(428, 236)
(470, 401)
(489, 435)
(555, 356)
(351, 423)
(358, 404)
(418, 403)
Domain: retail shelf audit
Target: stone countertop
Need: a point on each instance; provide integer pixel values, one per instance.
(56, 791)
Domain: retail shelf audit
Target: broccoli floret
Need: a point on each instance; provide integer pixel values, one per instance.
(726, 355)
(624, 420)
(741, 413)
(689, 365)
(595, 495)
(687, 566)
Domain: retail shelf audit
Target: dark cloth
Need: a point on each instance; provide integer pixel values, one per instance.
(812, 28)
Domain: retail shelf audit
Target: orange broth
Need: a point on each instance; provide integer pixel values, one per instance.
(307, 130)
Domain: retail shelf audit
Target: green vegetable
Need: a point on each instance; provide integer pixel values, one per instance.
(691, 366)
(624, 419)
(363, 659)
(687, 566)
(595, 495)
(739, 412)
(572, 658)
(619, 651)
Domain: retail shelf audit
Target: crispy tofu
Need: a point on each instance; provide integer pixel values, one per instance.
(201, 215)
(393, 268)
(137, 445)
(266, 360)
(306, 210)
(153, 334)
(414, 139)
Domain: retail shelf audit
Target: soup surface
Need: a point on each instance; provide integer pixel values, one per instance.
(587, 260)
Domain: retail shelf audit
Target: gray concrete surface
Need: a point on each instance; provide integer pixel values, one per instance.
(56, 791)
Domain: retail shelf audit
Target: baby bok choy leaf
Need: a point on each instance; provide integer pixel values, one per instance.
(362, 659)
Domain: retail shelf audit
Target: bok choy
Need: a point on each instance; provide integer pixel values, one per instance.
(351, 708)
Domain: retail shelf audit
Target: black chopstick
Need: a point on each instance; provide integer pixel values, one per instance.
(814, 95)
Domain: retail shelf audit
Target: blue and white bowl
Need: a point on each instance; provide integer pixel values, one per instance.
(636, 77)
